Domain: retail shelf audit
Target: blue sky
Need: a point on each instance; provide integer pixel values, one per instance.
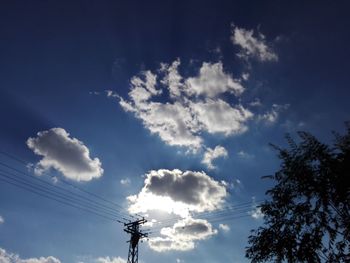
(111, 90)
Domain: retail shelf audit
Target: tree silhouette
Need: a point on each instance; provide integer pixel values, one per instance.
(306, 218)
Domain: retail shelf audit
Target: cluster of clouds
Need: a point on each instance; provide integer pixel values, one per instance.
(65, 154)
(183, 194)
(195, 105)
(7, 257)
(182, 235)
(182, 109)
(180, 193)
(2, 220)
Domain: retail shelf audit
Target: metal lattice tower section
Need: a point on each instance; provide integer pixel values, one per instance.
(133, 228)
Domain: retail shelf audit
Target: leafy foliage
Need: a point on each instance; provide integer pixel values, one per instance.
(307, 218)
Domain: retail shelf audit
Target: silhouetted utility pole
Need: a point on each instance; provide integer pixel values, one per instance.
(133, 228)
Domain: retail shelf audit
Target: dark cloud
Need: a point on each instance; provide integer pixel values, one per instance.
(187, 187)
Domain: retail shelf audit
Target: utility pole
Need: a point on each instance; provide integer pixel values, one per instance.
(133, 228)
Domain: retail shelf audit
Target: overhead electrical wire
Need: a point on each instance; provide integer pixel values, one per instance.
(120, 208)
(52, 198)
(228, 218)
(234, 208)
(100, 208)
(56, 194)
(224, 217)
(56, 187)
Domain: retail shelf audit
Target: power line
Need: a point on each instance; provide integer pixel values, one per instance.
(75, 195)
(215, 218)
(60, 201)
(82, 202)
(56, 194)
(229, 218)
(71, 185)
(211, 214)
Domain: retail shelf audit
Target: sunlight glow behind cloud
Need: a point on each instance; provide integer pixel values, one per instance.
(177, 192)
(180, 193)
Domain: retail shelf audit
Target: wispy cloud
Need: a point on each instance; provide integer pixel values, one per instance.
(7, 257)
(252, 44)
(211, 154)
(110, 260)
(256, 212)
(224, 227)
(125, 181)
(245, 155)
(111, 94)
(272, 116)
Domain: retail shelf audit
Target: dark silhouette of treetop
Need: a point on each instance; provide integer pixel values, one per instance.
(306, 218)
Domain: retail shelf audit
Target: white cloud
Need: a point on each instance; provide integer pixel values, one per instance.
(245, 76)
(177, 192)
(110, 260)
(252, 45)
(179, 260)
(150, 223)
(111, 94)
(244, 155)
(217, 116)
(192, 106)
(172, 78)
(235, 185)
(2, 220)
(224, 227)
(65, 154)
(182, 109)
(271, 116)
(174, 123)
(182, 235)
(256, 213)
(213, 81)
(211, 154)
(7, 257)
(256, 103)
(125, 181)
